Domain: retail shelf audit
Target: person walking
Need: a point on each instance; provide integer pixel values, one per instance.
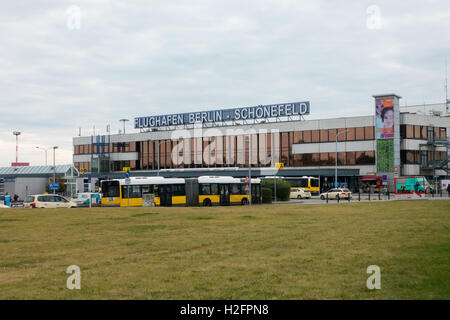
(7, 200)
(448, 190)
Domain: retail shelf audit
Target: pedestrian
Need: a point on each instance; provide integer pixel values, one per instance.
(416, 187)
(8, 200)
(448, 190)
(16, 197)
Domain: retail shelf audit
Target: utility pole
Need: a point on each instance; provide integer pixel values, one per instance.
(335, 169)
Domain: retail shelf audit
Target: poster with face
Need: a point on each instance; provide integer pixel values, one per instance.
(384, 117)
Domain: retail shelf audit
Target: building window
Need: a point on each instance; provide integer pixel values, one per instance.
(323, 135)
(315, 136)
(369, 133)
(351, 158)
(359, 133)
(351, 134)
(409, 131)
(307, 136)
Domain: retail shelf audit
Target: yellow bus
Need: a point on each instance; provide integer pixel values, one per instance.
(312, 184)
(167, 191)
(204, 191)
(222, 190)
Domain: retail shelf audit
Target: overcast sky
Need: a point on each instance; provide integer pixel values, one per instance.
(124, 59)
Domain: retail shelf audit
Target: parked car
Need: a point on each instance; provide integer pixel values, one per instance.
(48, 201)
(299, 193)
(337, 193)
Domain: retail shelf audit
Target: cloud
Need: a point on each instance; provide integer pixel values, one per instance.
(139, 58)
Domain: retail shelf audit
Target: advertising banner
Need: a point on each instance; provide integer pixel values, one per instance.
(384, 118)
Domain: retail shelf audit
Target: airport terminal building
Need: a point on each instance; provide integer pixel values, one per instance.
(389, 143)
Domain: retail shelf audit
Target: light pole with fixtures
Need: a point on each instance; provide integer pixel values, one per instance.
(159, 143)
(54, 167)
(45, 150)
(336, 158)
(250, 169)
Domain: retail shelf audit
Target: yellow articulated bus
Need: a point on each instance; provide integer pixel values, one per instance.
(312, 184)
(224, 191)
(167, 191)
(203, 191)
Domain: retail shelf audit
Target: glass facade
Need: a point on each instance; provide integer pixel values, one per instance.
(233, 151)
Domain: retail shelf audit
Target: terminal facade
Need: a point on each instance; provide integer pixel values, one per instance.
(389, 143)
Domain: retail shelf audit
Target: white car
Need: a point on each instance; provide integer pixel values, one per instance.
(48, 201)
(299, 193)
(337, 193)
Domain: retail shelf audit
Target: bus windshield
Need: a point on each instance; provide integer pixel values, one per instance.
(110, 189)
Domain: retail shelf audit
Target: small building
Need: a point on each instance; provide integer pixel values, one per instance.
(36, 179)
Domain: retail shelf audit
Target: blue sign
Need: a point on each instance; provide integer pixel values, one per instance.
(127, 174)
(246, 113)
(54, 186)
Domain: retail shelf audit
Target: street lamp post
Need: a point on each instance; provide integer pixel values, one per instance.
(159, 143)
(336, 158)
(250, 169)
(54, 167)
(45, 150)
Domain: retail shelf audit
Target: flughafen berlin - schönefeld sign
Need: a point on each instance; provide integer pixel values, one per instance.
(234, 114)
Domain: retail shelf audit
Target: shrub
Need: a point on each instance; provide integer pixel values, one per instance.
(267, 195)
(283, 188)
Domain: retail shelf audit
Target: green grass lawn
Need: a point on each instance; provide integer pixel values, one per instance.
(258, 252)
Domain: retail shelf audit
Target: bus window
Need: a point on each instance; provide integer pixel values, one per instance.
(214, 188)
(235, 188)
(131, 191)
(111, 188)
(178, 190)
(205, 188)
(147, 189)
(314, 182)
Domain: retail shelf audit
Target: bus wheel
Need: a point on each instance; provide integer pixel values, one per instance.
(206, 203)
(244, 202)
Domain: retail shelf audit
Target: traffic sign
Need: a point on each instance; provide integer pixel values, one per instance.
(279, 165)
(125, 169)
(54, 186)
(127, 174)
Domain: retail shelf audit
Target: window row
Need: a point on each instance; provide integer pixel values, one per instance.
(413, 156)
(107, 148)
(409, 131)
(136, 191)
(213, 189)
(293, 137)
